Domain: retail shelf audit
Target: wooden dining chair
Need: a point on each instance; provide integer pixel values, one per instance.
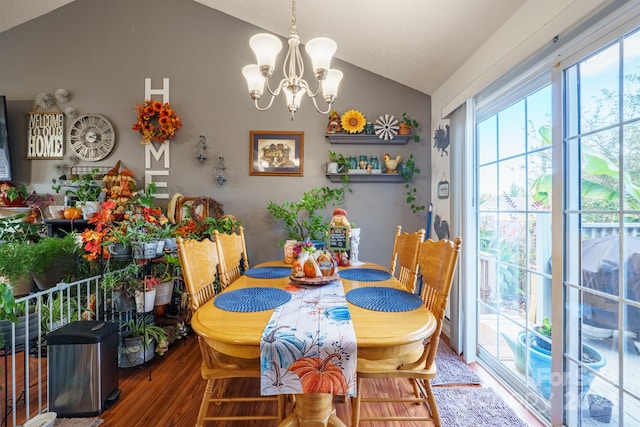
(437, 264)
(200, 262)
(403, 259)
(233, 255)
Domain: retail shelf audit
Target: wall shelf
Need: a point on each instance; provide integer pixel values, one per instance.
(345, 138)
(366, 177)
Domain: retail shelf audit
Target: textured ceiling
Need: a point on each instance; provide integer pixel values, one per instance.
(418, 43)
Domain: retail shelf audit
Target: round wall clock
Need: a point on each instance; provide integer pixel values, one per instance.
(92, 137)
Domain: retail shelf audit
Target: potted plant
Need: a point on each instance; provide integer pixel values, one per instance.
(54, 259)
(543, 334)
(10, 195)
(14, 315)
(409, 168)
(140, 338)
(83, 190)
(121, 286)
(343, 168)
(302, 218)
(540, 362)
(407, 126)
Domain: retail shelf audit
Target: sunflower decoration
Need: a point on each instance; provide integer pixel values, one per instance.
(353, 121)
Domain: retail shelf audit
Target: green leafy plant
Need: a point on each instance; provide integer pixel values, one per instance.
(343, 168)
(545, 329)
(410, 168)
(52, 250)
(123, 279)
(142, 326)
(414, 125)
(17, 229)
(83, 188)
(226, 224)
(302, 218)
(8, 306)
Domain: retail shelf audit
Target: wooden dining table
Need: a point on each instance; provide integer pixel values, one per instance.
(379, 335)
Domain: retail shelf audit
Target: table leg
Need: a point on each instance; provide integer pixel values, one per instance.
(313, 410)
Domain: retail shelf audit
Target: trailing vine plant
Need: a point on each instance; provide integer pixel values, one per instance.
(409, 168)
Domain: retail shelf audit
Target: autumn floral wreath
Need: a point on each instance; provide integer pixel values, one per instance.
(156, 121)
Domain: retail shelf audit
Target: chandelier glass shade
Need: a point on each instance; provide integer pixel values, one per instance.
(266, 48)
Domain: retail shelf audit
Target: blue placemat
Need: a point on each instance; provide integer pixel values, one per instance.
(383, 299)
(274, 272)
(365, 274)
(251, 299)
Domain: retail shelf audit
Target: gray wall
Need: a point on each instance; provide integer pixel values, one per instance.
(102, 52)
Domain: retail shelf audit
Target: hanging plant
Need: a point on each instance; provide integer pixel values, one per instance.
(156, 121)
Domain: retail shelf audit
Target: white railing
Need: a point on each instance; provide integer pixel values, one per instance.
(49, 310)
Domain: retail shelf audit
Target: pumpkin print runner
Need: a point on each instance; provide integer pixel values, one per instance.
(309, 345)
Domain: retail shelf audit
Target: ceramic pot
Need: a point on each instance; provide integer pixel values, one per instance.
(123, 302)
(540, 366)
(132, 352)
(145, 300)
(144, 250)
(164, 290)
(21, 331)
(55, 273)
(119, 250)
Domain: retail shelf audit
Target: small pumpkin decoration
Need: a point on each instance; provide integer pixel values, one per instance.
(309, 268)
(320, 375)
(326, 264)
(72, 213)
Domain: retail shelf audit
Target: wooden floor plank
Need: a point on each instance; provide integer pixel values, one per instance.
(167, 392)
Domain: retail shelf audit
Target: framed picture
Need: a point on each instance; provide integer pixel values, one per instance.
(276, 153)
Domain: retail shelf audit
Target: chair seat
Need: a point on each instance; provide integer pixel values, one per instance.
(382, 368)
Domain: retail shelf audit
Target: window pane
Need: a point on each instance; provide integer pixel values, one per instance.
(631, 45)
(600, 171)
(599, 89)
(631, 167)
(512, 130)
(539, 118)
(487, 141)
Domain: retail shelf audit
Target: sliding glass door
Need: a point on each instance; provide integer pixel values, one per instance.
(594, 254)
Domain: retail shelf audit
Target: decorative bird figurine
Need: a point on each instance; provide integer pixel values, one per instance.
(392, 164)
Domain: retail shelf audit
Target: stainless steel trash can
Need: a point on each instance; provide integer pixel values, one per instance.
(82, 363)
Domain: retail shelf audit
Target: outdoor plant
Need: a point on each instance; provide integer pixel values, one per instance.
(303, 219)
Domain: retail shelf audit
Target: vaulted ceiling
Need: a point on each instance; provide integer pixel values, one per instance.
(419, 43)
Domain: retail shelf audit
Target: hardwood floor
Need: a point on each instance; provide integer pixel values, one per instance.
(167, 392)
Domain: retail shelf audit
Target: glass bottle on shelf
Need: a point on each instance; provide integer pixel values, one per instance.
(363, 162)
(374, 162)
(353, 163)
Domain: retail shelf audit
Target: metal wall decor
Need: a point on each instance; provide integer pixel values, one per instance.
(443, 187)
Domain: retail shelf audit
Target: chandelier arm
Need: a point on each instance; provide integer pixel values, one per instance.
(264, 108)
(311, 94)
(275, 92)
(315, 104)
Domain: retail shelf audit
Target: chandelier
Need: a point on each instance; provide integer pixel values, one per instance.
(266, 48)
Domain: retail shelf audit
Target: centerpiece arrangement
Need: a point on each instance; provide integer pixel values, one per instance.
(312, 266)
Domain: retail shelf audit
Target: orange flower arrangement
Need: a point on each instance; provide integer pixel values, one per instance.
(156, 121)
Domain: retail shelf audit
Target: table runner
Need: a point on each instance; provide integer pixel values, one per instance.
(309, 345)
